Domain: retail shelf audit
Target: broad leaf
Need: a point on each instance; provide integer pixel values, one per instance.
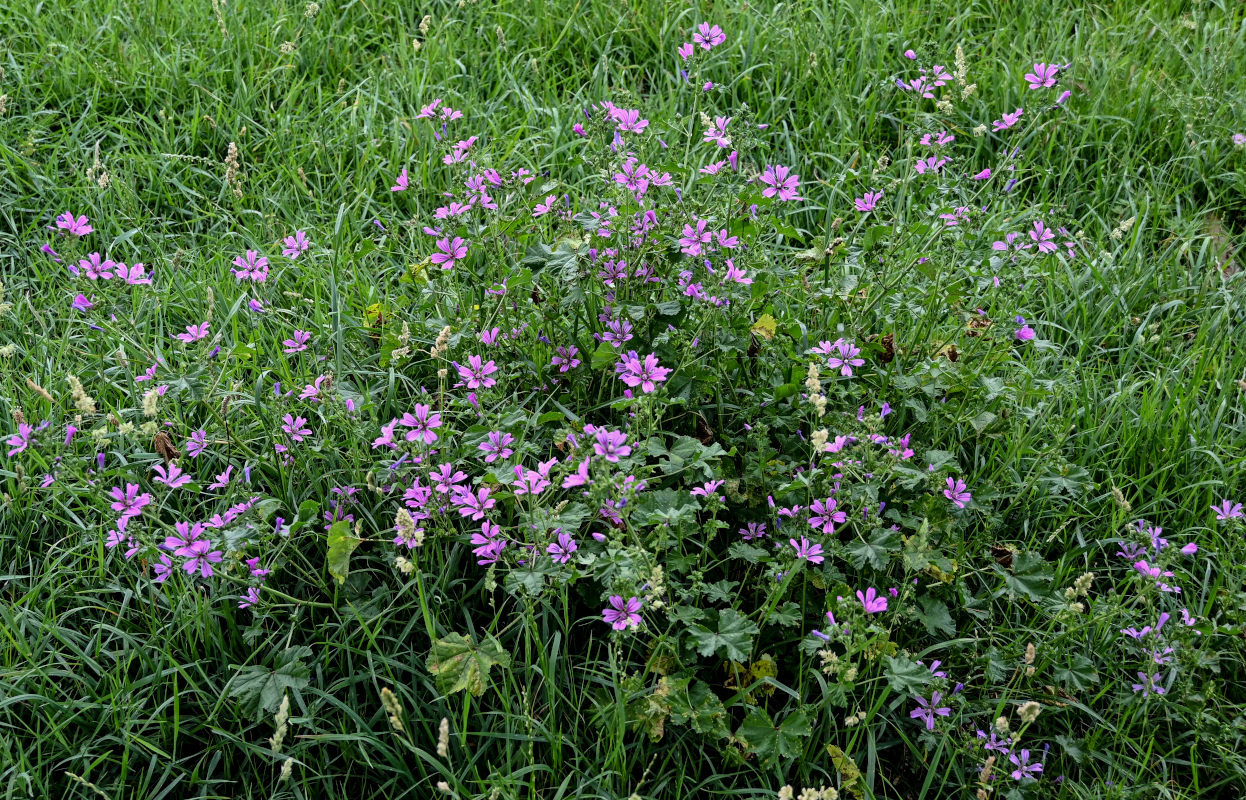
(460, 664)
(774, 743)
(732, 636)
(260, 689)
(1030, 575)
(341, 545)
(934, 615)
(906, 676)
(1079, 673)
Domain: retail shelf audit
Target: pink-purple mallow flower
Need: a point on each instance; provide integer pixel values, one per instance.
(956, 492)
(620, 613)
(927, 710)
(809, 551)
(780, 181)
(645, 373)
(872, 601)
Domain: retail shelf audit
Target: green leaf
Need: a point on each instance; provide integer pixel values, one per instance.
(774, 743)
(933, 613)
(260, 689)
(875, 552)
(733, 636)
(1080, 673)
(706, 713)
(786, 615)
(341, 545)
(905, 676)
(873, 235)
(459, 664)
(720, 592)
(604, 356)
(747, 552)
(1030, 575)
(982, 421)
(997, 665)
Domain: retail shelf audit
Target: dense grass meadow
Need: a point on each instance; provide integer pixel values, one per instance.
(622, 399)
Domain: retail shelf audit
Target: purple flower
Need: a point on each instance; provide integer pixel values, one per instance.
(610, 445)
(298, 342)
(496, 446)
(128, 503)
(173, 477)
(1150, 684)
(845, 357)
(1042, 237)
(132, 275)
(562, 549)
(753, 530)
(163, 569)
(1024, 333)
(693, 239)
(871, 601)
(295, 245)
(197, 443)
(646, 374)
(1009, 120)
(223, 479)
(78, 226)
(955, 492)
(929, 164)
(992, 742)
(565, 358)
(21, 440)
(477, 374)
(810, 551)
(253, 267)
(708, 37)
(1024, 769)
(95, 267)
(421, 424)
(928, 709)
(193, 333)
(1043, 76)
(200, 557)
(825, 515)
(401, 184)
(450, 253)
(251, 598)
(81, 303)
(293, 426)
(544, 207)
(579, 477)
(473, 504)
(1227, 510)
(780, 181)
(867, 203)
(620, 613)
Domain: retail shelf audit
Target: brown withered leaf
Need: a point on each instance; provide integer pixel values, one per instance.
(1002, 555)
(163, 446)
(889, 348)
(704, 434)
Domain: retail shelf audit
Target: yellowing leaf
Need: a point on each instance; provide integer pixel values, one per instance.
(765, 327)
(341, 545)
(460, 664)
